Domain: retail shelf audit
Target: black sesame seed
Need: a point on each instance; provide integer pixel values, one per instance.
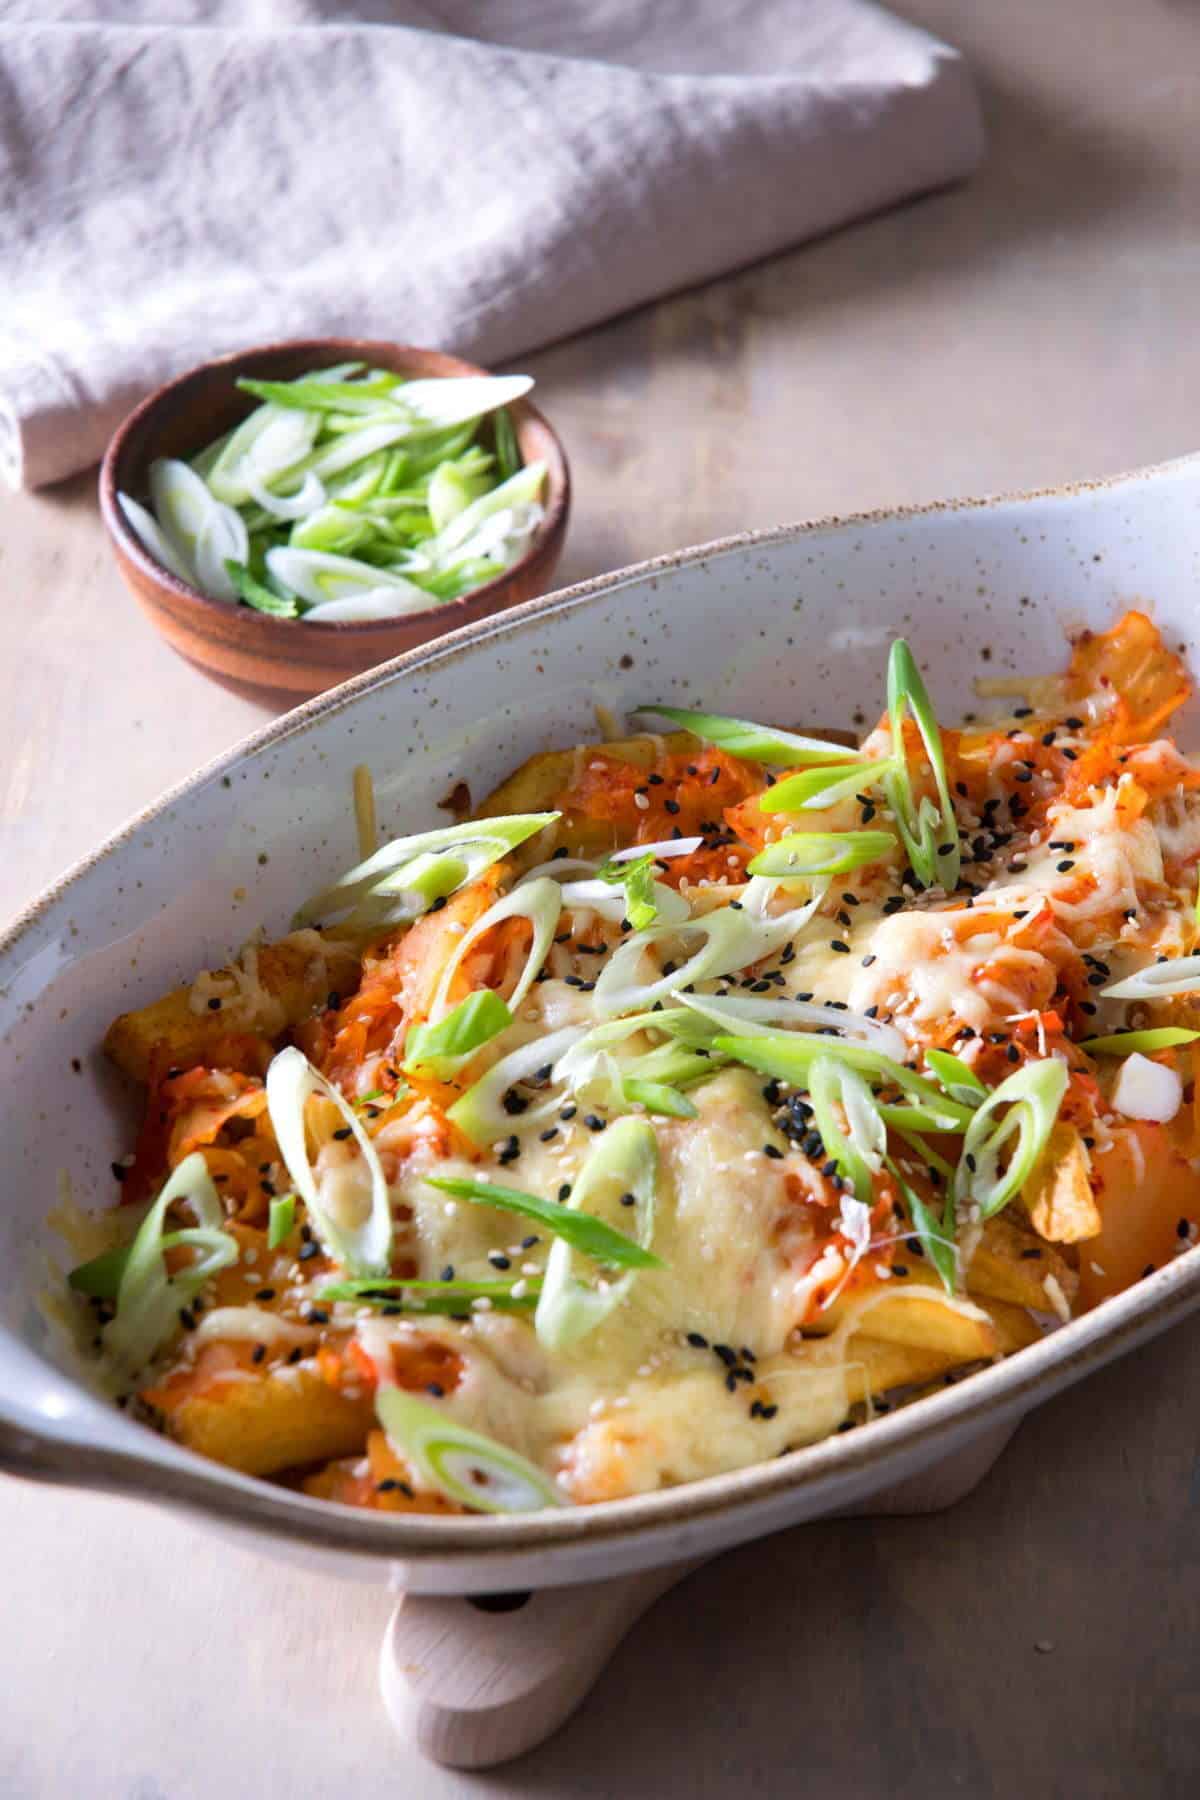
(697, 1341)
(343, 1131)
(307, 1252)
(837, 944)
(266, 1293)
(258, 1353)
(594, 1122)
(773, 1151)
(498, 1259)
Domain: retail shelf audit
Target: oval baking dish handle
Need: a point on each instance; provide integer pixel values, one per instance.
(473, 1683)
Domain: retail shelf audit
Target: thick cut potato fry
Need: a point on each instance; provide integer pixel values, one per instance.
(1014, 1327)
(1011, 1264)
(874, 1367)
(1059, 1197)
(263, 1424)
(911, 1311)
(292, 980)
(536, 785)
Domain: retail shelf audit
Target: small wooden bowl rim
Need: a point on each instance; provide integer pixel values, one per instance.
(419, 361)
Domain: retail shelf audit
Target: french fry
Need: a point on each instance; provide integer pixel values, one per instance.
(1012, 1325)
(1059, 1198)
(874, 1366)
(263, 1424)
(915, 1311)
(385, 1484)
(540, 781)
(293, 982)
(1012, 1264)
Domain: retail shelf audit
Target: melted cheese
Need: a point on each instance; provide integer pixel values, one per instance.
(735, 1255)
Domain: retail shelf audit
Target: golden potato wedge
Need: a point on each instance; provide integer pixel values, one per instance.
(283, 985)
(1059, 1196)
(538, 783)
(262, 1424)
(1013, 1326)
(874, 1367)
(915, 1311)
(1012, 1264)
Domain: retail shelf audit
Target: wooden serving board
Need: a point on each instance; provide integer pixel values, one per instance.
(475, 1681)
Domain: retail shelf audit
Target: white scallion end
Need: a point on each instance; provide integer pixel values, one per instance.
(1147, 1090)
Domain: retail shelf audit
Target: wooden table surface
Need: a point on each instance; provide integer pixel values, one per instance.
(1035, 326)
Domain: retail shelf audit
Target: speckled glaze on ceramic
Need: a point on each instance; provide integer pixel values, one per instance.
(791, 625)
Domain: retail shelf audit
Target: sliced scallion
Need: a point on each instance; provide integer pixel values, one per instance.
(443, 1048)
(481, 1114)
(475, 1470)
(578, 1229)
(620, 1175)
(281, 1220)
(657, 1097)
(788, 1056)
(435, 1296)
(858, 1149)
(403, 878)
(262, 599)
(812, 790)
(749, 742)
(808, 853)
(149, 1297)
(635, 877)
(361, 1239)
(957, 1077)
(100, 1279)
(1177, 975)
(1024, 1108)
(929, 832)
(1127, 1043)
(539, 902)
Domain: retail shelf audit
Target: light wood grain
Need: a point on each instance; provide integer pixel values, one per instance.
(1036, 325)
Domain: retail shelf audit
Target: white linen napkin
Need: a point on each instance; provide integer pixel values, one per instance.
(183, 178)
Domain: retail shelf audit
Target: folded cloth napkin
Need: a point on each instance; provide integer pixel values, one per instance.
(180, 178)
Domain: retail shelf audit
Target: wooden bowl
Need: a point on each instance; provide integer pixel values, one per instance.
(285, 657)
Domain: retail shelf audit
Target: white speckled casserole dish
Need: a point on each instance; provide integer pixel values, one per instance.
(786, 625)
